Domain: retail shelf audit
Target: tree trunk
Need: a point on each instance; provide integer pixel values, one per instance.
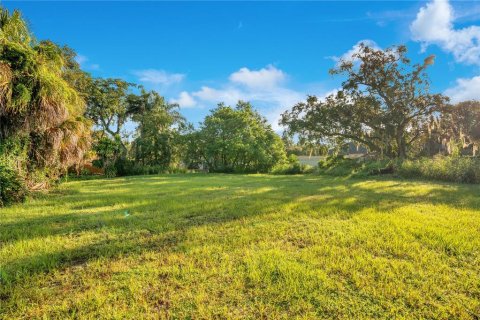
(401, 145)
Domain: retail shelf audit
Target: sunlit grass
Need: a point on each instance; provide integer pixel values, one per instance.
(233, 246)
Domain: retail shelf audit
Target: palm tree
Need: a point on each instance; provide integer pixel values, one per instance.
(37, 101)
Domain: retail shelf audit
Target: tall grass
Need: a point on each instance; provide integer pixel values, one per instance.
(441, 168)
(454, 169)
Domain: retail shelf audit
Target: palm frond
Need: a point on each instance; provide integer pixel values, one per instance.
(6, 76)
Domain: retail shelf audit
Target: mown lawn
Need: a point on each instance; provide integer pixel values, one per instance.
(242, 246)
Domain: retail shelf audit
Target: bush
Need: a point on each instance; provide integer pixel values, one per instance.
(331, 161)
(453, 169)
(12, 187)
(111, 171)
(341, 166)
(123, 167)
(146, 170)
(292, 166)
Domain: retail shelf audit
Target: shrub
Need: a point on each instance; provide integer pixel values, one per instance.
(177, 170)
(139, 169)
(110, 171)
(125, 167)
(454, 169)
(338, 166)
(12, 186)
(331, 161)
(292, 166)
(341, 166)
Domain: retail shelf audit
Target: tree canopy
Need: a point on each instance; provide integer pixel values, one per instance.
(381, 104)
(158, 134)
(239, 139)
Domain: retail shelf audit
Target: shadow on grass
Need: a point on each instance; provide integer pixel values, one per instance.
(134, 214)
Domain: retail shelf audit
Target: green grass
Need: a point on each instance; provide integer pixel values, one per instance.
(242, 246)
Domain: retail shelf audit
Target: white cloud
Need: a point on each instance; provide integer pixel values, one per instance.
(466, 89)
(159, 77)
(434, 25)
(184, 100)
(272, 102)
(229, 95)
(355, 49)
(268, 77)
(265, 88)
(262, 85)
(83, 61)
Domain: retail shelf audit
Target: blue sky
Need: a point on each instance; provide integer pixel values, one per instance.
(271, 53)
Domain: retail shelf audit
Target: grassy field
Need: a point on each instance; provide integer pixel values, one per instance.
(242, 246)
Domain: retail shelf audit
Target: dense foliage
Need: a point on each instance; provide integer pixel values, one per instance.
(109, 108)
(238, 140)
(42, 128)
(291, 166)
(453, 169)
(229, 140)
(456, 131)
(158, 139)
(442, 168)
(12, 187)
(157, 145)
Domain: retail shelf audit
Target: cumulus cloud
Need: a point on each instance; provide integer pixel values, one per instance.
(272, 102)
(159, 77)
(184, 100)
(268, 77)
(465, 89)
(266, 88)
(434, 24)
(229, 95)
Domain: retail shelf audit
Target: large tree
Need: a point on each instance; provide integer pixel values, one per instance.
(383, 101)
(109, 106)
(158, 134)
(239, 139)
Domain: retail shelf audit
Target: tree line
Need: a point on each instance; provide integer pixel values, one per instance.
(55, 118)
(230, 139)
